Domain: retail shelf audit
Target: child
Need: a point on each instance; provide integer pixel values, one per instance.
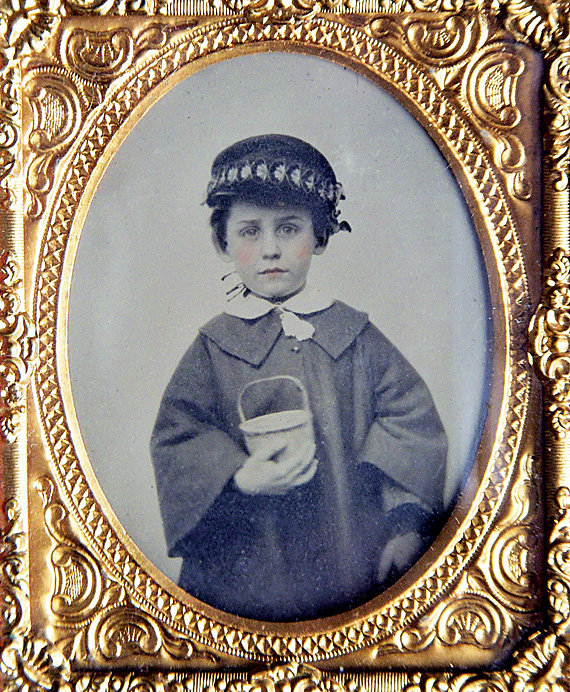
(314, 529)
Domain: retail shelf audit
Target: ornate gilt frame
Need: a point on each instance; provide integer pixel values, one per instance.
(81, 608)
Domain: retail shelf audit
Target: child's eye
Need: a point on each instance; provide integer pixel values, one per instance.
(249, 232)
(287, 229)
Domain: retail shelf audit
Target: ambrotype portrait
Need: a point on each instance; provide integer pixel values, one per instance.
(316, 525)
(301, 460)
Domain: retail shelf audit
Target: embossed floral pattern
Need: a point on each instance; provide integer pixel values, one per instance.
(30, 665)
(550, 341)
(25, 24)
(18, 348)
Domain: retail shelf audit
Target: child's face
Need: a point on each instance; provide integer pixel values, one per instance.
(271, 247)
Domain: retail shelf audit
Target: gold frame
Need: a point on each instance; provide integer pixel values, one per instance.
(83, 609)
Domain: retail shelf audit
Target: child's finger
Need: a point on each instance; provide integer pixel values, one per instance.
(305, 453)
(268, 451)
(308, 474)
(301, 474)
(298, 461)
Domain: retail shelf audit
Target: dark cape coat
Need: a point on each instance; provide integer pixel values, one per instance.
(313, 551)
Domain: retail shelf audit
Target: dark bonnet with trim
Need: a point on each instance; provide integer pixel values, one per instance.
(269, 167)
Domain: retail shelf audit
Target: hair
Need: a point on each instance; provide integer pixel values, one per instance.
(320, 214)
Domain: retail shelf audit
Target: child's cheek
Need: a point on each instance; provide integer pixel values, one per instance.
(244, 256)
(304, 252)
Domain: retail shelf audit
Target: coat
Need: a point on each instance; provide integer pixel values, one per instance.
(313, 551)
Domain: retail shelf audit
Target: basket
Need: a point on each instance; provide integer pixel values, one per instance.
(292, 428)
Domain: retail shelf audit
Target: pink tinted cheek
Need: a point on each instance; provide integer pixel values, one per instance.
(244, 255)
(304, 252)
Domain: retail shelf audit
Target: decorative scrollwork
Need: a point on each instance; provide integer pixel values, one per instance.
(61, 95)
(110, 7)
(527, 23)
(32, 664)
(550, 341)
(440, 42)
(82, 593)
(443, 41)
(126, 631)
(26, 663)
(490, 88)
(24, 26)
(560, 77)
(95, 617)
(490, 84)
(281, 10)
(96, 58)
(525, 19)
(18, 348)
(398, 6)
(511, 562)
(543, 663)
(484, 76)
(559, 565)
(497, 594)
(472, 619)
(9, 134)
(99, 55)
(540, 667)
(56, 107)
(14, 587)
(292, 677)
(543, 666)
(557, 134)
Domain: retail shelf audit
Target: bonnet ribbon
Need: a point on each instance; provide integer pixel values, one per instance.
(295, 326)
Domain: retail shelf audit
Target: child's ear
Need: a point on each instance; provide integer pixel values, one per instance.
(319, 249)
(222, 254)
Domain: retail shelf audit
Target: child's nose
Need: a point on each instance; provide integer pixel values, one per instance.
(271, 246)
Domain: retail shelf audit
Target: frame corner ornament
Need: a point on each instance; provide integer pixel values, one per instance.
(542, 662)
(26, 662)
(26, 26)
(94, 617)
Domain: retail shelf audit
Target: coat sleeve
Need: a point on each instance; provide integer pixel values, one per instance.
(193, 455)
(406, 439)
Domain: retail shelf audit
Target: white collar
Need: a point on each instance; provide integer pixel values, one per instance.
(306, 302)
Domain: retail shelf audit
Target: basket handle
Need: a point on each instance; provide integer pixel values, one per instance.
(300, 386)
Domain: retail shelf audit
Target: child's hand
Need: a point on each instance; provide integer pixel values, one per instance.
(261, 475)
(400, 552)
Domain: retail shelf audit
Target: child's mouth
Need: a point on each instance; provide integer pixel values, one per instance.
(273, 271)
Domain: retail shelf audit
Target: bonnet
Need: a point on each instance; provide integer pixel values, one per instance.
(273, 167)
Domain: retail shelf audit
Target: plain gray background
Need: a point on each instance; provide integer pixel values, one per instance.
(146, 276)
